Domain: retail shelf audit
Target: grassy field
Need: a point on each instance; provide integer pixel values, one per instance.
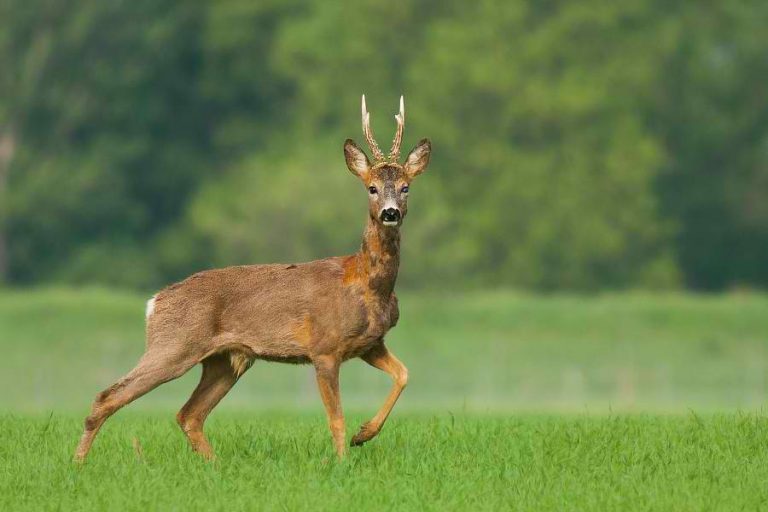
(612, 402)
(482, 352)
(284, 462)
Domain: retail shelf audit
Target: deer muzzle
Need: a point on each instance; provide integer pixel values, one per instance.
(390, 216)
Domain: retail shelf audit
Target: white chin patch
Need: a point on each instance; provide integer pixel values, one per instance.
(390, 222)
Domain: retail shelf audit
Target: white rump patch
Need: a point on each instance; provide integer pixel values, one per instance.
(150, 307)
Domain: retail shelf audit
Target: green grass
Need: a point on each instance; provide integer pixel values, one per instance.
(484, 351)
(515, 402)
(444, 462)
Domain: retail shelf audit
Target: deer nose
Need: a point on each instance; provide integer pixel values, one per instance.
(390, 215)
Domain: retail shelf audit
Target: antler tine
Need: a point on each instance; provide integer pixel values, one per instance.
(394, 153)
(377, 154)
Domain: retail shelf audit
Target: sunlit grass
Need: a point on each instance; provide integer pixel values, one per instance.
(441, 462)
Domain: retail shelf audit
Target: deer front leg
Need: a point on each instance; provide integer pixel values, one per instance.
(327, 373)
(381, 358)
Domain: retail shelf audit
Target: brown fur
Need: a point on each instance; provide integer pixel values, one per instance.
(322, 312)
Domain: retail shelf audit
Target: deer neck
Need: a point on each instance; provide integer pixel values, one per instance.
(379, 258)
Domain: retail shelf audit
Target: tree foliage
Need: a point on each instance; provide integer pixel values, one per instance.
(577, 145)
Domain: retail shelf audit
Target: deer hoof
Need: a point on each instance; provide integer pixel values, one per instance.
(366, 433)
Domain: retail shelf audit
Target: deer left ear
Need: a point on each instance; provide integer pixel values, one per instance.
(357, 161)
(417, 160)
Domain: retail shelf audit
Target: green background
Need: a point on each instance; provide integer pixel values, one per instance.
(583, 276)
(577, 145)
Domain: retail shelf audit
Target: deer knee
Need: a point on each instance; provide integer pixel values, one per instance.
(92, 422)
(401, 376)
(337, 424)
(186, 422)
(100, 410)
(181, 420)
(98, 415)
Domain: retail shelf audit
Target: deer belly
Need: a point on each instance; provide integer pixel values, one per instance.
(282, 352)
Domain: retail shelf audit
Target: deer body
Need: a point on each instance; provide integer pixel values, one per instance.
(278, 312)
(322, 312)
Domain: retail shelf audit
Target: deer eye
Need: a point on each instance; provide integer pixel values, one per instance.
(372, 190)
(404, 190)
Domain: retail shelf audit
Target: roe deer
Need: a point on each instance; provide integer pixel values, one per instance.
(322, 312)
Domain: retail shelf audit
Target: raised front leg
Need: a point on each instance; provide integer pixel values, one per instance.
(381, 358)
(327, 372)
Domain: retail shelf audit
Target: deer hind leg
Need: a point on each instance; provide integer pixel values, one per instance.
(381, 358)
(152, 370)
(220, 373)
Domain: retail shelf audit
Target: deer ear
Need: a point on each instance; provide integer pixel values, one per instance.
(357, 161)
(418, 159)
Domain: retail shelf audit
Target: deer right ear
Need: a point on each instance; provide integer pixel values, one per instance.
(357, 161)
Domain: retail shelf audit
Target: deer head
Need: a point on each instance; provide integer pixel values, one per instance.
(386, 179)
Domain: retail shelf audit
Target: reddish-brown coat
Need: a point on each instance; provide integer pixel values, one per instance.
(322, 312)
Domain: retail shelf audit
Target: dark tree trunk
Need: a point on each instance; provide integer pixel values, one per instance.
(7, 150)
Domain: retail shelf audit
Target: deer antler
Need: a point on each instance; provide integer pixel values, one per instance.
(377, 154)
(394, 153)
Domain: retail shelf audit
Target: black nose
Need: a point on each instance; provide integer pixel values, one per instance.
(390, 215)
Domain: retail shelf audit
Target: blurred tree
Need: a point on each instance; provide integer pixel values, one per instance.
(278, 203)
(25, 47)
(247, 102)
(538, 115)
(711, 111)
(544, 170)
(247, 94)
(111, 138)
(577, 145)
